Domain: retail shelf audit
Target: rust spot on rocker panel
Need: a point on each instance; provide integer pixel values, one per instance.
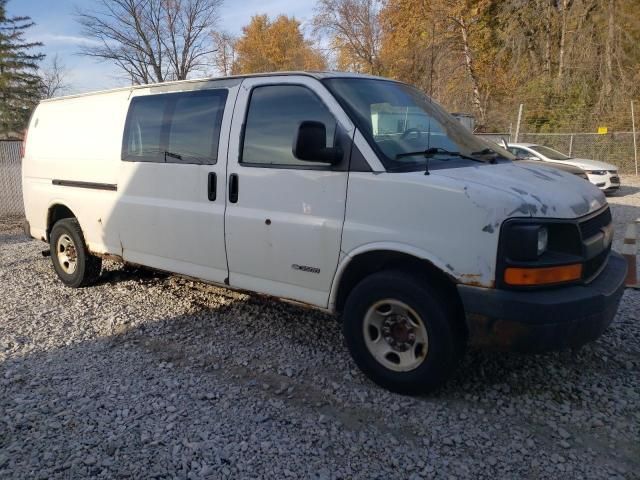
(108, 256)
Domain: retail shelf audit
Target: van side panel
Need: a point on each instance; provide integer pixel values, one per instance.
(72, 158)
(167, 216)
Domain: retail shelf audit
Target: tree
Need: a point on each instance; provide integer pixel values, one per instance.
(225, 55)
(411, 49)
(354, 30)
(445, 47)
(53, 78)
(19, 82)
(573, 61)
(269, 46)
(152, 40)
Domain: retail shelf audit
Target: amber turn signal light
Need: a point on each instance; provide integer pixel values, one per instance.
(542, 276)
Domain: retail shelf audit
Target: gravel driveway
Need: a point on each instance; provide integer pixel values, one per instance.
(153, 376)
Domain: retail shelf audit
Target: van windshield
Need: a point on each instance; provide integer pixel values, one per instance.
(398, 119)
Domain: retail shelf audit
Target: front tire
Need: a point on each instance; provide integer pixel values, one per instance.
(71, 259)
(402, 333)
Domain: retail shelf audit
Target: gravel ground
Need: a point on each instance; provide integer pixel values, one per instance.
(153, 376)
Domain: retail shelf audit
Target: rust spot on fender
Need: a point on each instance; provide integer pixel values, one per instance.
(475, 280)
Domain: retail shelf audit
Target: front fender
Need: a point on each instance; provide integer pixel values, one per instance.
(347, 257)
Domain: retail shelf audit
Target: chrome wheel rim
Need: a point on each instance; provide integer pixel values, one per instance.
(395, 335)
(67, 254)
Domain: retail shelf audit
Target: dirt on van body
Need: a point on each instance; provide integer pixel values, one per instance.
(154, 376)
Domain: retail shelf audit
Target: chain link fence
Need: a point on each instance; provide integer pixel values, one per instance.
(10, 179)
(616, 148)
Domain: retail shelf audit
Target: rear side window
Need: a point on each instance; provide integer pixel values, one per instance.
(174, 127)
(275, 113)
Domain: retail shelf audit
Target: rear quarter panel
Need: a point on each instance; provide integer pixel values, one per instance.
(75, 139)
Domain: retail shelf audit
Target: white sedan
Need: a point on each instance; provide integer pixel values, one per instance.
(602, 175)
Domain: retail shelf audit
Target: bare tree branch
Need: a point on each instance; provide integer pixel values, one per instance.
(53, 79)
(151, 40)
(225, 55)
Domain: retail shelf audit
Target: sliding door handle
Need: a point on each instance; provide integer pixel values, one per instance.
(233, 188)
(212, 186)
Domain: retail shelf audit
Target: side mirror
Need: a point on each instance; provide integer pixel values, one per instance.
(310, 144)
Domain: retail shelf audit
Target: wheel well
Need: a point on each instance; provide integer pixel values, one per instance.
(371, 262)
(57, 212)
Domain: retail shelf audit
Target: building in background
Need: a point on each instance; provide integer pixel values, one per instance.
(466, 119)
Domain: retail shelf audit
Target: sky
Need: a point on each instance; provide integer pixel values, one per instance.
(57, 28)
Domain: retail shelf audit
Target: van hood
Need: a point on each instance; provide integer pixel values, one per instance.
(531, 191)
(587, 164)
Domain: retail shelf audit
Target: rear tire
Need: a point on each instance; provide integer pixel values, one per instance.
(71, 259)
(402, 333)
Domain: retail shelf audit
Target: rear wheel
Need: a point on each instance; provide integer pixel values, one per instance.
(71, 259)
(402, 333)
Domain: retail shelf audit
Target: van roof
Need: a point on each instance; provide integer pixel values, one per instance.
(315, 74)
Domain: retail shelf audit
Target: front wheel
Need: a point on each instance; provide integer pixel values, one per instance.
(71, 259)
(402, 333)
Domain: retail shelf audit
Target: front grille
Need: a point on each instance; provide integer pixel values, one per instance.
(592, 226)
(589, 228)
(593, 267)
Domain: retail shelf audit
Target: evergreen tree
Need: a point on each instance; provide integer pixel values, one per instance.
(20, 84)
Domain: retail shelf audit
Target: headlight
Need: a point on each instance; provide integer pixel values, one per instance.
(539, 252)
(597, 172)
(543, 240)
(526, 242)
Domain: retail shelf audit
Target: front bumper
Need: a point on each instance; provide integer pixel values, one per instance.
(608, 182)
(534, 321)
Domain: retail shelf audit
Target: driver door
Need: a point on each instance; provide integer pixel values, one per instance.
(284, 216)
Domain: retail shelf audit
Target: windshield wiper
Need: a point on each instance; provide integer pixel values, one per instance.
(177, 156)
(487, 151)
(430, 152)
(484, 151)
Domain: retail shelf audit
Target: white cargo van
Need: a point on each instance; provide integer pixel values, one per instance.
(354, 194)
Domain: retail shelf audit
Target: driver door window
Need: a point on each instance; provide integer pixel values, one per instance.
(274, 115)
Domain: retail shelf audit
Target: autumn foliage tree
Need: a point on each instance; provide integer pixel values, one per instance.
(448, 49)
(573, 63)
(275, 45)
(355, 33)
